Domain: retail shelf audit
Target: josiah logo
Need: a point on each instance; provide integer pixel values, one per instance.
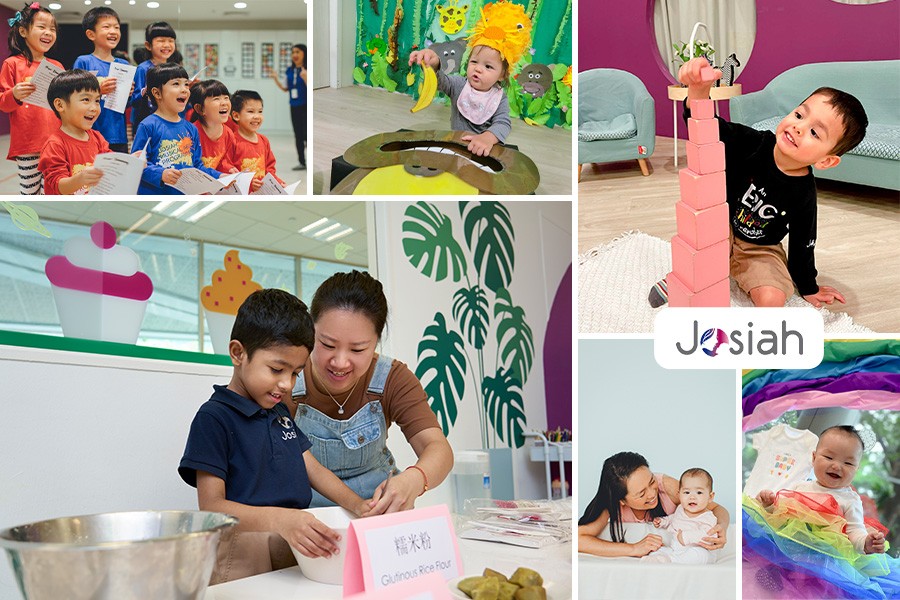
(738, 338)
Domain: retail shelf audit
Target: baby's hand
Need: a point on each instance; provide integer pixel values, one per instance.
(766, 497)
(680, 538)
(22, 90)
(691, 75)
(170, 176)
(875, 543)
(657, 522)
(481, 144)
(108, 86)
(425, 57)
(826, 294)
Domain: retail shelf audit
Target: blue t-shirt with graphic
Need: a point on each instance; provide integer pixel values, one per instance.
(110, 124)
(169, 146)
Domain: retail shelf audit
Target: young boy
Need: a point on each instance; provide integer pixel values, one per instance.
(771, 190)
(244, 454)
(101, 26)
(160, 42)
(70, 151)
(251, 151)
(173, 142)
(835, 461)
(690, 523)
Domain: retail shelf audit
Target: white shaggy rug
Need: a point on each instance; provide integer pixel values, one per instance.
(615, 278)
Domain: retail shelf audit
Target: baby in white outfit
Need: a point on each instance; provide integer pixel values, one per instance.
(690, 522)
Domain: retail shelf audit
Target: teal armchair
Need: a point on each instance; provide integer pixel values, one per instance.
(616, 118)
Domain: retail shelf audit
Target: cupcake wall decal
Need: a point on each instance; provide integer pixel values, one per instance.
(99, 290)
(224, 296)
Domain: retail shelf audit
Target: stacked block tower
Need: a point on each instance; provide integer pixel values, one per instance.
(700, 250)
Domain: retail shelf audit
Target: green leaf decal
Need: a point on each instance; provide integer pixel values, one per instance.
(470, 309)
(359, 76)
(442, 370)
(504, 407)
(489, 234)
(429, 244)
(514, 337)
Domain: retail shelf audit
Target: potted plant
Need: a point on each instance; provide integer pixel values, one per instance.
(683, 51)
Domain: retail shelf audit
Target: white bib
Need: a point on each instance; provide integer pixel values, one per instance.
(477, 106)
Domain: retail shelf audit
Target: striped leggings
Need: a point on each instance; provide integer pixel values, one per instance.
(31, 181)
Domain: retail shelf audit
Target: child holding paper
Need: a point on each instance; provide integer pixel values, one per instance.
(245, 455)
(68, 156)
(160, 42)
(172, 143)
(212, 105)
(32, 33)
(101, 26)
(251, 151)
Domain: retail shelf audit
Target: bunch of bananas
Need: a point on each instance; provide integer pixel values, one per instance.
(427, 90)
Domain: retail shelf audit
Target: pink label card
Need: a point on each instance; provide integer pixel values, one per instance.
(427, 587)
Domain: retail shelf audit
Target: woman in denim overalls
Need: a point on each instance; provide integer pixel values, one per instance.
(346, 398)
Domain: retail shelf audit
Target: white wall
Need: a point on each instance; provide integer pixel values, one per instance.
(676, 419)
(82, 434)
(543, 250)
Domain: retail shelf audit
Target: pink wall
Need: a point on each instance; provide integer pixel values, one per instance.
(620, 35)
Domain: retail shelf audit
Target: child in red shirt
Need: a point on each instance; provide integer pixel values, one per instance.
(68, 156)
(32, 34)
(251, 151)
(212, 108)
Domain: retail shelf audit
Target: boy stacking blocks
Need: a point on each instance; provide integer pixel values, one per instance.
(700, 251)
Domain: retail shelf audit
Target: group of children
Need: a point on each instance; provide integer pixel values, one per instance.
(55, 150)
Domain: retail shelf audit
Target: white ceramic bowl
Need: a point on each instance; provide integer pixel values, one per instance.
(327, 570)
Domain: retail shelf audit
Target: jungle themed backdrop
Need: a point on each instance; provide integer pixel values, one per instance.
(388, 30)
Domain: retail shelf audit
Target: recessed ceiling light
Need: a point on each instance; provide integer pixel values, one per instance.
(54, 6)
(240, 5)
(339, 234)
(107, 2)
(313, 225)
(153, 5)
(87, 2)
(132, 2)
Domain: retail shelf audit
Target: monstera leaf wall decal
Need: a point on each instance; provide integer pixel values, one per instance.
(452, 350)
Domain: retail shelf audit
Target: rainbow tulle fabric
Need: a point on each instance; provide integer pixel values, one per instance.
(797, 550)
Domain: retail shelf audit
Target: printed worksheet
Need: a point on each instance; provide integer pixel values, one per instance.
(117, 100)
(41, 79)
(121, 173)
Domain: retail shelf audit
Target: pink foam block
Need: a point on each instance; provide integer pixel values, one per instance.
(705, 158)
(699, 269)
(701, 191)
(708, 74)
(703, 131)
(718, 294)
(703, 109)
(702, 228)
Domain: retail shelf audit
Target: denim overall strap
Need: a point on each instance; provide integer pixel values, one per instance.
(354, 449)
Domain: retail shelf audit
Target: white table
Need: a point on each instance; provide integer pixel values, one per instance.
(677, 94)
(553, 562)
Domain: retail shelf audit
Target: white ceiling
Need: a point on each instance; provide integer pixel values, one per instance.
(256, 225)
(176, 11)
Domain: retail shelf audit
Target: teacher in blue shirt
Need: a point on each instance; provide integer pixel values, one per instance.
(295, 85)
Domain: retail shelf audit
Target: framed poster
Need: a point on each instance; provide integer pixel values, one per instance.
(248, 60)
(284, 56)
(211, 56)
(191, 58)
(268, 58)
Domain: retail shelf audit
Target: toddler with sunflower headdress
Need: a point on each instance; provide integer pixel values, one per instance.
(478, 104)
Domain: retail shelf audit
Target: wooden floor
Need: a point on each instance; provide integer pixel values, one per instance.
(347, 115)
(857, 249)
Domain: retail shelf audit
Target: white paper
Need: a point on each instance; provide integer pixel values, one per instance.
(197, 74)
(194, 181)
(41, 79)
(271, 187)
(121, 173)
(421, 546)
(238, 184)
(117, 100)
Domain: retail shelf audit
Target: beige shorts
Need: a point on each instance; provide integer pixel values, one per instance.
(753, 265)
(243, 554)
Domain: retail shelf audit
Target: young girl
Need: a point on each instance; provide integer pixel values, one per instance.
(478, 103)
(212, 109)
(172, 143)
(32, 33)
(630, 493)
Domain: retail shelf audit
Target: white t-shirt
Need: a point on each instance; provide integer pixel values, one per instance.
(850, 504)
(693, 529)
(784, 461)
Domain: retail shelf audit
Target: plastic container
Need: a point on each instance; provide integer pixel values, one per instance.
(327, 570)
(470, 478)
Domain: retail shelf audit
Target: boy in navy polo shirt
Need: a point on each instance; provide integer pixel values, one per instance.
(246, 457)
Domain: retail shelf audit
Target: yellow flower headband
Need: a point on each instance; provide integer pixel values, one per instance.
(505, 27)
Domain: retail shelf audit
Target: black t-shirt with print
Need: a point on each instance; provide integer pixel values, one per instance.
(765, 204)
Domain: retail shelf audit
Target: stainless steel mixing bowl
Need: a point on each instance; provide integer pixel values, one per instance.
(146, 555)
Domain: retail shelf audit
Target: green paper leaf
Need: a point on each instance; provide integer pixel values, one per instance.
(504, 407)
(535, 106)
(559, 71)
(429, 244)
(470, 309)
(442, 370)
(488, 232)
(541, 119)
(359, 76)
(514, 337)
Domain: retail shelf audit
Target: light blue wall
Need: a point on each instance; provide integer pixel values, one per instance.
(676, 419)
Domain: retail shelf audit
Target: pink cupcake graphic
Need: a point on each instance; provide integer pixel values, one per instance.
(99, 291)
(224, 297)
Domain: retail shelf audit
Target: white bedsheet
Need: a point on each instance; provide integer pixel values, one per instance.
(630, 579)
